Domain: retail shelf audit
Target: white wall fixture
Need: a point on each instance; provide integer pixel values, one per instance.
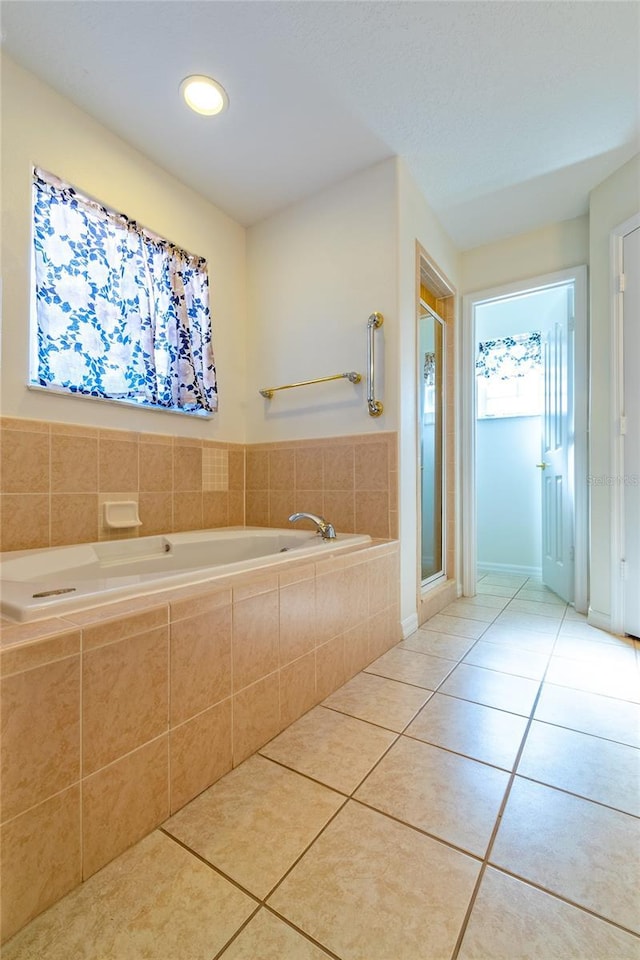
(121, 514)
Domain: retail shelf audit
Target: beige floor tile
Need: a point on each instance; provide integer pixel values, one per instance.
(615, 680)
(485, 600)
(536, 607)
(519, 620)
(455, 626)
(374, 889)
(590, 713)
(622, 653)
(508, 635)
(412, 667)
(540, 592)
(513, 921)
(470, 611)
(266, 937)
(448, 796)
(503, 580)
(584, 630)
(589, 766)
(495, 590)
(521, 663)
(255, 822)
(500, 690)
(437, 644)
(331, 747)
(572, 847)
(155, 897)
(379, 700)
(470, 728)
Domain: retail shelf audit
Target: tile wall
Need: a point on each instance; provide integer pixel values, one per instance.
(114, 718)
(352, 481)
(55, 478)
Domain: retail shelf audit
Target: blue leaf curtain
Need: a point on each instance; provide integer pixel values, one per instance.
(121, 313)
(516, 356)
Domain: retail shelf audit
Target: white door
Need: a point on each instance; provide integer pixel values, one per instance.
(631, 438)
(557, 440)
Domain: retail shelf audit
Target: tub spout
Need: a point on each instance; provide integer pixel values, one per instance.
(325, 529)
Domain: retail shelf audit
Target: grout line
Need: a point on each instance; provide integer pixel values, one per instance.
(237, 933)
(301, 773)
(423, 833)
(208, 863)
(307, 936)
(579, 796)
(306, 850)
(501, 811)
(563, 899)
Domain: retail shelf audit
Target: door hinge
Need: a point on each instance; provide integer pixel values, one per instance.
(620, 283)
(623, 426)
(623, 569)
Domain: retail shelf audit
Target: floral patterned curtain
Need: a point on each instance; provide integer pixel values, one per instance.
(509, 357)
(121, 313)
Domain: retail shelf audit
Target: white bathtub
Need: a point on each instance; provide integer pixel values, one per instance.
(58, 580)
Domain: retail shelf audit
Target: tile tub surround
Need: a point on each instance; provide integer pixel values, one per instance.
(55, 478)
(353, 481)
(350, 838)
(116, 717)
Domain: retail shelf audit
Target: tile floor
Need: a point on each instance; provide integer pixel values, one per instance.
(474, 793)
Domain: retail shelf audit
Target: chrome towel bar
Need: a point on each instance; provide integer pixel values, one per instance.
(375, 406)
(352, 376)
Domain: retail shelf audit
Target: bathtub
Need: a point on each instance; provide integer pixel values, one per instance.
(35, 584)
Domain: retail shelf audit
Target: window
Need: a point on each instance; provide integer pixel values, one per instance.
(120, 313)
(509, 375)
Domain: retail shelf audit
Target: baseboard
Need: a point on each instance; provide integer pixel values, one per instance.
(511, 568)
(409, 625)
(600, 620)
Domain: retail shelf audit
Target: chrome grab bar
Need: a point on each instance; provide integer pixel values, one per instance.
(375, 406)
(352, 376)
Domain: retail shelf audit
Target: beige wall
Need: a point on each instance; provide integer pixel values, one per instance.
(557, 246)
(42, 128)
(317, 270)
(611, 203)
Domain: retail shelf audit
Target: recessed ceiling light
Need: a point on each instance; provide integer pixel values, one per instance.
(204, 95)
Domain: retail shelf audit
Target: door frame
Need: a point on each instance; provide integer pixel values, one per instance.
(469, 545)
(616, 242)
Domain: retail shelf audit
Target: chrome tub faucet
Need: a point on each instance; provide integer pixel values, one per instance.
(325, 529)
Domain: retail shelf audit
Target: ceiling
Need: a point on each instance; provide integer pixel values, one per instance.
(507, 112)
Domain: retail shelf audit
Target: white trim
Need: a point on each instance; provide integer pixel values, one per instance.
(600, 620)
(409, 625)
(468, 425)
(581, 435)
(616, 240)
(468, 517)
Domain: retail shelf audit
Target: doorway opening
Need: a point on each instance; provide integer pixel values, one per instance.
(524, 415)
